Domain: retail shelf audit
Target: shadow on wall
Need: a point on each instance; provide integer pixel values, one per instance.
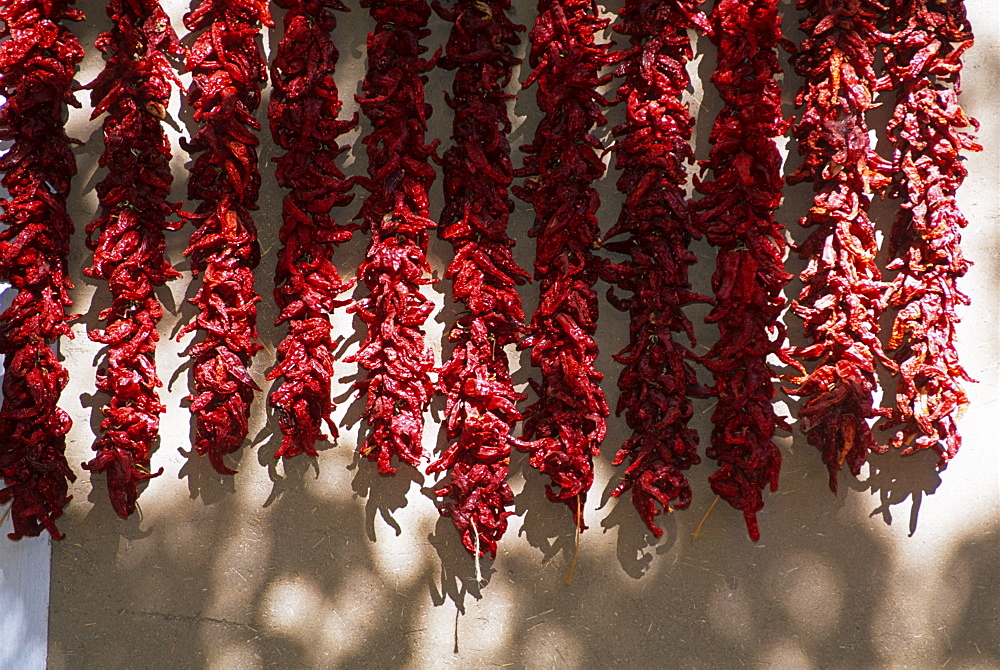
(301, 583)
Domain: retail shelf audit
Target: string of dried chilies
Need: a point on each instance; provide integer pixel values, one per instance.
(133, 90)
(398, 383)
(844, 295)
(737, 215)
(923, 56)
(651, 151)
(842, 298)
(228, 73)
(480, 414)
(303, 114)
(38, 57)
(568, 421)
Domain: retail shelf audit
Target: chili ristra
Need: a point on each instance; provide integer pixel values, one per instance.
(842, 298)
(303, 114)
(652, 148)
(38, 57)
(480, 413)
(398, 363)
(568, 421)
(737, 216)
(923, 56)
(128, 238)
(228, 73)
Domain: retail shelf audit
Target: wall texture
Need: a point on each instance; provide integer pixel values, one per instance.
(325, 564)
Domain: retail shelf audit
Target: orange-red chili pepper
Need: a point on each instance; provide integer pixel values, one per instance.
(843, 294)
(928, 132)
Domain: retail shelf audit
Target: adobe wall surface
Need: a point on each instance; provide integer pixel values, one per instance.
(323, 563)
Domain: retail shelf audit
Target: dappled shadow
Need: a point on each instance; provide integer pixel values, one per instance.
(973, 631)
(546, 526)
(636, 545)
(459, 575)
(897, 479)
(202, 479)
(384, 495)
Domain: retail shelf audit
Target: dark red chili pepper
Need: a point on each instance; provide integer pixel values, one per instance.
(228, 73)
(923, 56)
(480, 414)
(38, 57)
(398, 383)
(737, 216)
(655, 220)
(303, 118)
(843, 294)
(134, 90)
(568, 422)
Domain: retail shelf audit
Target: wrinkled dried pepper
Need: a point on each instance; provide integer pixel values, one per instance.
(568, 421)
(652, 148)
(923, 56)
(133, 90)
(398, 363)
(843, 294)
(480, 414)
(38, 57)
(228, 73)
(737, 216)
(303, 118)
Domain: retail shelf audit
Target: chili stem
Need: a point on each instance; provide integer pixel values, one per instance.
(576, 551)
(479, 569)
(697, 531)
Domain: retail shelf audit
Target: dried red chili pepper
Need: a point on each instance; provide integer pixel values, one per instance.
(923, 56)
(480, 412)
(843, 294)
(398, 364)
(133, 89)
(737, 216)
(652, 149)
(228, 72)
(568, 421)
(38, 57)
(303, 118)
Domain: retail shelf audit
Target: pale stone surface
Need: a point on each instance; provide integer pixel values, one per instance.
(24, 590)
(326, 564)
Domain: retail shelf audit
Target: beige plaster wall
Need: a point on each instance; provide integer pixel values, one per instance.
(322, 563)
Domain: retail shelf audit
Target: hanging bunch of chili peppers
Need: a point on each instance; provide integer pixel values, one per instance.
(655, 220)
(480, 414)
(398, 383)
(923, 56)
(303, 114)
(922, 42)
(38, 57)
(843, 294)
(228, 73)
(737, 216)
(568, 421)
(133, 90)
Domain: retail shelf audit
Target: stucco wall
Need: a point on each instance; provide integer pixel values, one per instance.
(324, 563)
